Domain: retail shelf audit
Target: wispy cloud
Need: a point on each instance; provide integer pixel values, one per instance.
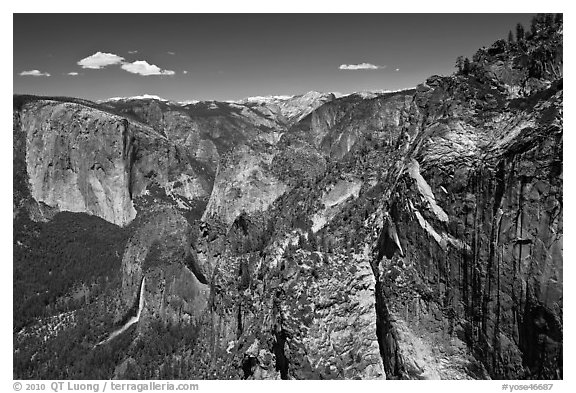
(142, 67)
(361, 66)
(185, 72)
(171, 53)
(132, 52)
(100, 60)
(73, 73)
(34, 73)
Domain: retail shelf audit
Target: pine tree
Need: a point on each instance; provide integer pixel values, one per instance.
(460, 64)
(466, 68)
(510, 37)
(558, 19)
(312, 240)
(549, 20)
(519, 32)
(534, 25)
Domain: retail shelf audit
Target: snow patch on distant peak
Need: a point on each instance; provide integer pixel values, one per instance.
(142, 97)
(265, 99)
(282, 98)
(188, 102)
(375, 93)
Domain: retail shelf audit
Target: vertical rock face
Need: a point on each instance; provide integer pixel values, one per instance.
(298, 107)
(160, 250)
(493, 270)
(335, 127)
(291, 315)
(477, 205)
(244, 184)
(81, 158)
(77, 160)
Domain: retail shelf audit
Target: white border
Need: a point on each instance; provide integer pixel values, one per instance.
(109, 6)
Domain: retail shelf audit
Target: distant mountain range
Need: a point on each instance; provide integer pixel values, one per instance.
(272, 99)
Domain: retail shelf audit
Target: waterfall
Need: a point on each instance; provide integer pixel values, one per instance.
(132, 320)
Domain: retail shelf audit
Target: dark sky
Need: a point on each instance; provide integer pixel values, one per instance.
(233, 56)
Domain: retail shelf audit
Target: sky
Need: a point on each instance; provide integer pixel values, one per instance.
(231, 56)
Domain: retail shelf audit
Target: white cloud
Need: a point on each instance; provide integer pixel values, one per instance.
(397, 69)
(171, 53)
(34, 73)
(142, 67)
(73, 73)
(132, 52)
(360, 66)
(185, 72)
(100, 60)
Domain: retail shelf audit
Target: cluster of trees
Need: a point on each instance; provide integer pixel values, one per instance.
(294, 210)
(308, 242)
(164, 352)
(50, 259)
(72, 354)
(463, 65)
(70, 351)
(249, 233)
(540, 22)
(541, 25)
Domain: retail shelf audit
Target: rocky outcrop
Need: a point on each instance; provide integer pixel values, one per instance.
(298, 107)
(78, 159)
(478, 211)
(244, 183)
(81, 158)
(291, 109)
(160, 251)
(292, 315)
(333, 201)
(337, 126)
